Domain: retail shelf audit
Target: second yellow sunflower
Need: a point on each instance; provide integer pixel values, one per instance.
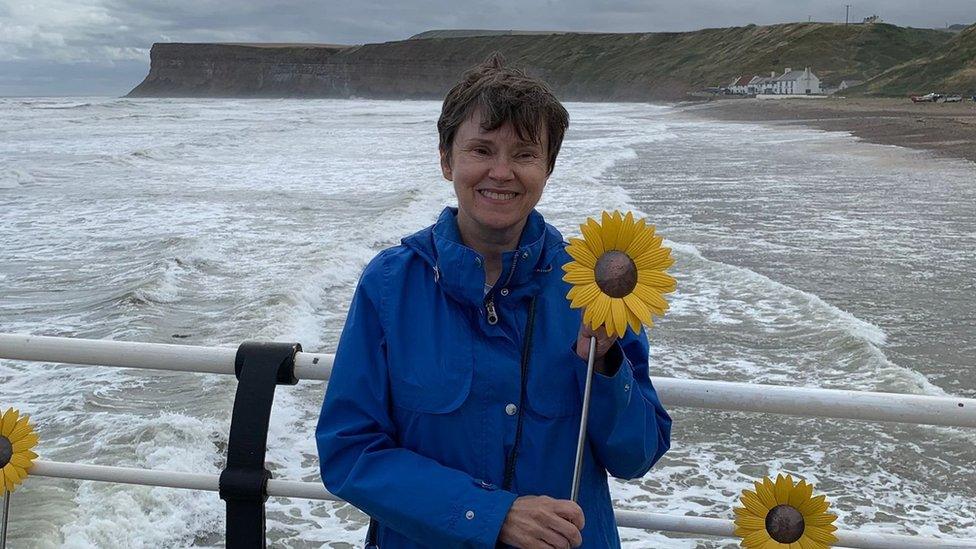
(618, 274)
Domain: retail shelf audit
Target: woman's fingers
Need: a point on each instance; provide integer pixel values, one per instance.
(565, 533)
(541, 522)
(603, 341)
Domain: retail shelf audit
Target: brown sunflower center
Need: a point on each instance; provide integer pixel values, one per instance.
(616, 274)
(6, 451)
(784, 524)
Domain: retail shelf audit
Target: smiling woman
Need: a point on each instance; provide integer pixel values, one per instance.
(453, 409)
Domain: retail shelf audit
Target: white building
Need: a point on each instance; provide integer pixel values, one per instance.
(793, 82)
(740, 86)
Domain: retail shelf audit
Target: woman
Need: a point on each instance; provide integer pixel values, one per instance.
(453, 409)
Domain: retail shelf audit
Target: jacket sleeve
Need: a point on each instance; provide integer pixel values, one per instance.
(360, 460)
(628, 428)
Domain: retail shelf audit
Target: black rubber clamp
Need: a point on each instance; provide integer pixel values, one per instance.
(259, 367)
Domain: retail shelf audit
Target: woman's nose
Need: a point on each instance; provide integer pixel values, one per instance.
(501, 169)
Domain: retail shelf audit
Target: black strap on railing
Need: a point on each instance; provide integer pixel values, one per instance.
(243, 483)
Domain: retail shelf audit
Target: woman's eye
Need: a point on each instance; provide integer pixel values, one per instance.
(481, 150)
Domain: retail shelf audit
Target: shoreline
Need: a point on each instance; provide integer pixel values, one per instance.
(946, 129)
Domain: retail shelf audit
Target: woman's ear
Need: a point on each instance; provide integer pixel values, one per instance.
(446, 165)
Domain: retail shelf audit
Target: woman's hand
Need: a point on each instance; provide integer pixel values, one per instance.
(541, 522)
(603, 344)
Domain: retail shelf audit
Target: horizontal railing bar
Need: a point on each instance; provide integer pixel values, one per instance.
(693, 393)
(152, 356)
(815, 402)
(311, 490)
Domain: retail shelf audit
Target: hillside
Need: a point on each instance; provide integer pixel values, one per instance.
(637, 66)
(951, 68)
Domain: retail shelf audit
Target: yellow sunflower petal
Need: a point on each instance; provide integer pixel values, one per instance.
(754, 504)
(807, 543)
(663, 282)
(638, 307)
(773, 544)
(619, 311)
(819, 535)
(743, 512)
(576, 266)
(651, 298)
(20, 473)
(813, 506)
(592, 234)
(742, 532)
(750, 522)
(582, 296)
(25, 443)
(579, 276)
(611, 227)
(800, 493)
(581, 253)
(20, 429)
(642, 240)
(653, 259)
(597, 311)
(820, 519)
(21, 460)
(633, 321)
(8, 421)
(628, 229)
(764, 490)
(755, 539)
(782, 489)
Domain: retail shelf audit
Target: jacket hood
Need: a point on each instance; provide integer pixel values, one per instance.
(460, 269)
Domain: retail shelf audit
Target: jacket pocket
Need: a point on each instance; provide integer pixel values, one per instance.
(554, 390)
(432, 382)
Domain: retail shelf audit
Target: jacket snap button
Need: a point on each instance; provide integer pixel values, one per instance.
(511, 409)
(525, 255)
(504, 291)
(469, 515)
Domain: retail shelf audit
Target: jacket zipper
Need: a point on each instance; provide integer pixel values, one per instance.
(492, 313)
(490, 301)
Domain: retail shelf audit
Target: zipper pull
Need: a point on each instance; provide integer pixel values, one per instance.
(492, 313)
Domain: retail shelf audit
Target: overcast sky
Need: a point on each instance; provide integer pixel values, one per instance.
(101, 47)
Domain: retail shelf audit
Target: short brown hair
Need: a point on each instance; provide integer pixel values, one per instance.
(504, 95)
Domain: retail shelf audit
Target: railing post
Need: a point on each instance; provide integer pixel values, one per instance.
(243, 483)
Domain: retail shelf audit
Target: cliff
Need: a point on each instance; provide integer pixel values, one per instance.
(579, 66)
(950, 68)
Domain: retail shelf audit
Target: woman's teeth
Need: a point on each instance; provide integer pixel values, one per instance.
(498, 196)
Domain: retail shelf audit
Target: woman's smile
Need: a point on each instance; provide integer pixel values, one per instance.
(498, 197)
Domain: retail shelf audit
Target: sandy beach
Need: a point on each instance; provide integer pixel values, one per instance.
(947, 129)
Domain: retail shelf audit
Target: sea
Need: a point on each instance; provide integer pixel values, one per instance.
(804, 258)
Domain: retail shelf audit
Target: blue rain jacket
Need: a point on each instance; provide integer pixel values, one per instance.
(425, 397)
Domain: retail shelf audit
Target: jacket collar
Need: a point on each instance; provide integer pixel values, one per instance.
(459, 269)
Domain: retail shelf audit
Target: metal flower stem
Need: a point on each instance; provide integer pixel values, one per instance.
(6, 515)
(580, 443)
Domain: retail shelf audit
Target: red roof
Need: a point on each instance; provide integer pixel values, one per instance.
(744, 81)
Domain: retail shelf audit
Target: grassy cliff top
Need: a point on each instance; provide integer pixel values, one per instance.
(951, 67)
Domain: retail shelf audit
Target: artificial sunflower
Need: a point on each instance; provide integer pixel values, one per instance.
(618, 273)
(16, 440)
(782, 515)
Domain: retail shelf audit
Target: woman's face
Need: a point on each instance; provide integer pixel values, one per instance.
(497, 177)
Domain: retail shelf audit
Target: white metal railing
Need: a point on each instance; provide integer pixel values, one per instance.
(692, 393)
(720, 395)
(315, 490)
